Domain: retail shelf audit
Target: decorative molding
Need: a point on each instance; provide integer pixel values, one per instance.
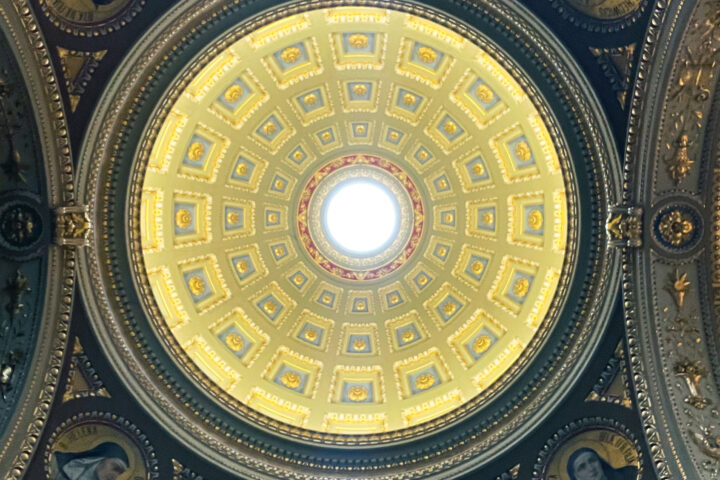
(183, 473)
(624, 226)
(612, 386)
(78, 68)
(617, 65)
(82, 380)
(72, 225)
(91, 19)
(21, 436)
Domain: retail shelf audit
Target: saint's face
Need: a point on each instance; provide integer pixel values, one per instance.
(587, 466)
(110, 469)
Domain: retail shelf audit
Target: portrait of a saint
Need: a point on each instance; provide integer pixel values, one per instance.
(106, 461)
(587, 464)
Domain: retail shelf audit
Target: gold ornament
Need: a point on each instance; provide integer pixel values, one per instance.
(358, 40)
(326, 136)
(448, 217)
(196, 285)
(269, 128)
(484, 93)
(242, 169)
(427, 54)
(442, 251)
(233, 94)
(394, 298)
(477, 267)
(408, 99)
(488, 218)
(279, 184)
(196, 151)
(478, 169)
(233, 217)
(442, 184)
(523, 152)
(422, 280)
(481, 344)
(521, 287)
(298, 279)
(297, 156)
(423, 155)
(449, 308)
(359, 344)
(359, 89)
(234, 342)
(273, 217)
(327, 298)
(408, 335)
(394, 136)
(535, 219)
(291, 55)
(279, 251)
(310, 99)
(242, 266)
(450, 127)
(270, 307)
(676, 227)
(360, 130)
(290, 379)
(361, 305)
(678, 286)
(679, 165)
(183, 218)
(358, 393)
(310, 334)
(424, 381)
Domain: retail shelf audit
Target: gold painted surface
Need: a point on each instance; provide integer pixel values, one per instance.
(277, 331)
(606, 9)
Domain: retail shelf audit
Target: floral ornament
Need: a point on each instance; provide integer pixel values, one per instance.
(676, 227)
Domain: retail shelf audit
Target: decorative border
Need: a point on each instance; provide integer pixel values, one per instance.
(104, 27)
(667, 119)
(304, 229)
(21, 27)
(481, 439)
(591, 24)
(111, 420)
(575, 428)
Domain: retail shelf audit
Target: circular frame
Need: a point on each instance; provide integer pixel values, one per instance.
(310, 217)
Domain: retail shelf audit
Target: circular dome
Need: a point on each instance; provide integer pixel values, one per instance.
(266, 313)
(279, 282)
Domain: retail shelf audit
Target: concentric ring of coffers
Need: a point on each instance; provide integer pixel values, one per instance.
(232, 240)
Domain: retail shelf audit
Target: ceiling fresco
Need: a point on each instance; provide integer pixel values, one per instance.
(329, 239)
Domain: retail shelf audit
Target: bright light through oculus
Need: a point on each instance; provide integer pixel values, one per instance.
(361, 216)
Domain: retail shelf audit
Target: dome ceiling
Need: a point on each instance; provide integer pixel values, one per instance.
(237, 242)
(347, 226)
